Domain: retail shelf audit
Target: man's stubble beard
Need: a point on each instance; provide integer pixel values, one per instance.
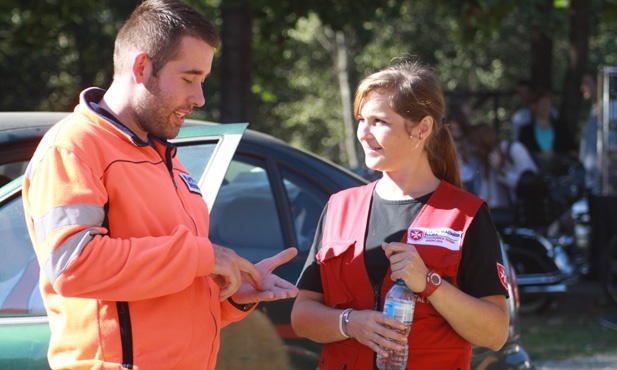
(151, 113)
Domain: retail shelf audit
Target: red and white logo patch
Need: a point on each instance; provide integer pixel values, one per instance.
(415, 234)
(439, 237)
(501, 271)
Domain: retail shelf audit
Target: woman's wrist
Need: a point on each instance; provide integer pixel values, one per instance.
(343, 320)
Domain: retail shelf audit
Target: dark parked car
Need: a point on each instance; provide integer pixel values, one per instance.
(264, 196)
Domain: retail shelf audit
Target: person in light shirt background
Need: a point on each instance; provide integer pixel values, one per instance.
(501, 163)
(588, 148)
(546, 137)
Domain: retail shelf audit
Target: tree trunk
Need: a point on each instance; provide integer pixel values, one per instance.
(541, 59)
(542, 49)
(342, 71)
(236, 38)
(580, 16)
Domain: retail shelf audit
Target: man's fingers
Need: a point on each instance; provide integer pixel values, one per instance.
(284, 284)
(280, 258)
(226, 292)
(250, 273)
(220, 280)
(229, 284)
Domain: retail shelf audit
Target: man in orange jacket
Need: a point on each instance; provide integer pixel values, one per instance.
(129, 277)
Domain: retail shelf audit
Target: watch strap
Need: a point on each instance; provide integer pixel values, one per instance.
(431, 287)
(241, 306)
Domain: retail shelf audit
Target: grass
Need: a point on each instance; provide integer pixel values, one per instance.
(570, 327)
(566, 336)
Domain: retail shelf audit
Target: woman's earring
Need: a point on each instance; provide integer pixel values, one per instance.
(420, 136)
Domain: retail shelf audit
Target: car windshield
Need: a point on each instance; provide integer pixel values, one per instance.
(196, 157)
(19, 271)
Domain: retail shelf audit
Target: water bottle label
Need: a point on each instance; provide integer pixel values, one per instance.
(400, 311)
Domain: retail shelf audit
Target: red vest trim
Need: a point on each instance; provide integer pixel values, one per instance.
(437, 232)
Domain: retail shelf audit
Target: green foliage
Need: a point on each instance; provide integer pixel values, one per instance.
(602, 44)
(299, 98)
(50, 50)
(311, 110)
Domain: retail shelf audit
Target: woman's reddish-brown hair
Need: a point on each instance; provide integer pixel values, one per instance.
(414, 94)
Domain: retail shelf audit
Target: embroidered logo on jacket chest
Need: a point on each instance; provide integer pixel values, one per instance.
(190, 183)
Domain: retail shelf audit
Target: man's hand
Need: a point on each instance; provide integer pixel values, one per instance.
(275, 288)
(231, 270)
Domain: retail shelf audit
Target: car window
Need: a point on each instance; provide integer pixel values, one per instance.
(244, 216)
(19, 270)
(206, 151)
(10, 171)
(196, 157)
(307, 201)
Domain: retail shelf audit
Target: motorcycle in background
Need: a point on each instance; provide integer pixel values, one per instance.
(548, 242)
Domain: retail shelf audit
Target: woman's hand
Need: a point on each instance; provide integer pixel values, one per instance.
(406, 264)
(376, 330)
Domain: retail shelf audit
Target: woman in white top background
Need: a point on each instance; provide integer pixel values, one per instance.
(500, 166)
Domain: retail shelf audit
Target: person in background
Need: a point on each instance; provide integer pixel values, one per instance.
(523, 114)
(545, 137)
(129, 276)
(501, 164)
(414, 224)
(459, 125)
(588, 148)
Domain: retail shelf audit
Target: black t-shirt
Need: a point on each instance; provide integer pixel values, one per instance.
(389, 221)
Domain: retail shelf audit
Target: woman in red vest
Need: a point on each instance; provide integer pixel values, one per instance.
(414, 224)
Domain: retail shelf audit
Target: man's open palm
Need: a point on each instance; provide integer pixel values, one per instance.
(275, 288)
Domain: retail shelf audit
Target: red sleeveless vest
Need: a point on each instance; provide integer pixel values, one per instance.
(437, 233)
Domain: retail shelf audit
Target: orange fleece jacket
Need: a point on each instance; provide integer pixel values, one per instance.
(110, 221)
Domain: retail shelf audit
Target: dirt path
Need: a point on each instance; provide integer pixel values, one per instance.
(595, 362)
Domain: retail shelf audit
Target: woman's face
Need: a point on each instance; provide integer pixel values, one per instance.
(542, 109)
(588, 87)
(383, 134)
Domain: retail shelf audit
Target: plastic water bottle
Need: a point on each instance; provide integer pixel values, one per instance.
(400, 303)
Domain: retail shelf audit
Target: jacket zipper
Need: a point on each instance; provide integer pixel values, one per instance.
(169, 164)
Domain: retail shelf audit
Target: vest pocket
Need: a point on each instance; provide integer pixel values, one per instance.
(334, 248)
(334, 258)
(439, 359)
(337, 356)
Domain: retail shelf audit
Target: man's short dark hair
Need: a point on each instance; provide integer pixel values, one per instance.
(156, 27)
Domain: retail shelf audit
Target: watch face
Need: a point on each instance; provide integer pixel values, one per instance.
(435, 279)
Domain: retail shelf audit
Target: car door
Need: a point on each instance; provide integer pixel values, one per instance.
(206, 151)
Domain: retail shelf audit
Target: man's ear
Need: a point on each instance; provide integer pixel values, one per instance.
(141, 68)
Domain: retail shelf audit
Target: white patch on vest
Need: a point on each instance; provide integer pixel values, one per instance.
(442, 237)
(190, 183)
